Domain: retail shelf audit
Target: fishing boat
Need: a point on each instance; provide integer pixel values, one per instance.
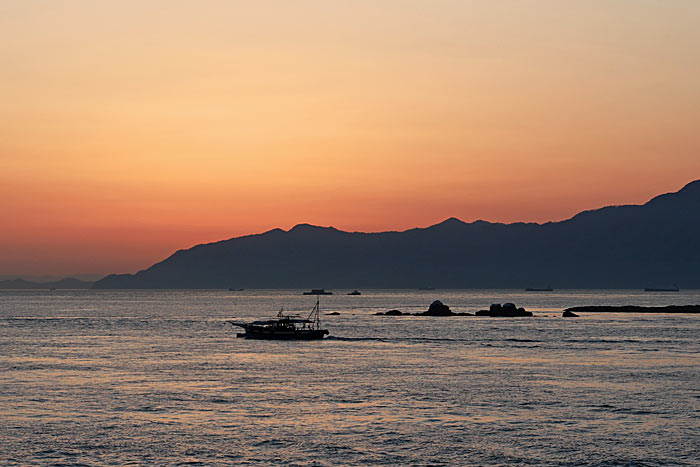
(355, 292)
(285, 327)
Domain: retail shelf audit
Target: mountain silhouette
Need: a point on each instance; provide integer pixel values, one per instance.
(630, 246)
(66, 283)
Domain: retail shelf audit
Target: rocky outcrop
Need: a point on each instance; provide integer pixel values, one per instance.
(636, 309)
(569, 314)
(507, 310)
(437, 308)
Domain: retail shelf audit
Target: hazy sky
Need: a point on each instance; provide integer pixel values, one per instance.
(129, 129)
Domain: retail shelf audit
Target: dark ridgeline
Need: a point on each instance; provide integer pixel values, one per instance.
(630, 246)
(67, 283)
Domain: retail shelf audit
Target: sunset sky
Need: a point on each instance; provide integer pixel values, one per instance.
(130, 129)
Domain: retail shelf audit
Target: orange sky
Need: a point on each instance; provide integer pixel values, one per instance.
(128, 131)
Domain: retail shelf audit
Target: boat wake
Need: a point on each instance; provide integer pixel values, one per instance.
(395, 339)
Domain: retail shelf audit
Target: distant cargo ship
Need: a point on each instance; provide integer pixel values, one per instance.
(662, 289)
(318, 292)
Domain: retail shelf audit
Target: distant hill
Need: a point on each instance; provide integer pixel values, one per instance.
(631, 246)
(67, 283)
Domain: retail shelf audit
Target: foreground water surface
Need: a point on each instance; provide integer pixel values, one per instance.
(158, 378)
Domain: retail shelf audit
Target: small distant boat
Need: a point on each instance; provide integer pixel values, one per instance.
(355, 292)
(539, 289)
(231, 289)
(662, 289)
(285, 327)
(318, 292)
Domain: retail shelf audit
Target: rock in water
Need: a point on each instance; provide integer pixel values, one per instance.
(637, 309)
(507, 310)
(391, 313)
(437, 308)
(569, 314)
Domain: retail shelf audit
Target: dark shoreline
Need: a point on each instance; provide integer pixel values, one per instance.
(636, 309)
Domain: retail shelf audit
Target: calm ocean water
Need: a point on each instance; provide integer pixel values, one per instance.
(158, 378)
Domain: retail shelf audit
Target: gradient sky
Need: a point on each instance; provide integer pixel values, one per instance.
(130, 129)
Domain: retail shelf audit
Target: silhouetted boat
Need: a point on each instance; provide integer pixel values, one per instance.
(285, 327)
(662, 289)
(318, 292)
(231, 289)
(539, 289)
(355, 292)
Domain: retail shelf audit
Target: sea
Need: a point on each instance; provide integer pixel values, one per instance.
(159, 378)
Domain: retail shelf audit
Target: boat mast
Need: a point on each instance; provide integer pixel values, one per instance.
(315, 314)
(318, 312)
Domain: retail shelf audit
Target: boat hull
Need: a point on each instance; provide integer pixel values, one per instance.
(302, 334)
(285, 327)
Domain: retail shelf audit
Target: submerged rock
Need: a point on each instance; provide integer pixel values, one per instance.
(391, 313)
